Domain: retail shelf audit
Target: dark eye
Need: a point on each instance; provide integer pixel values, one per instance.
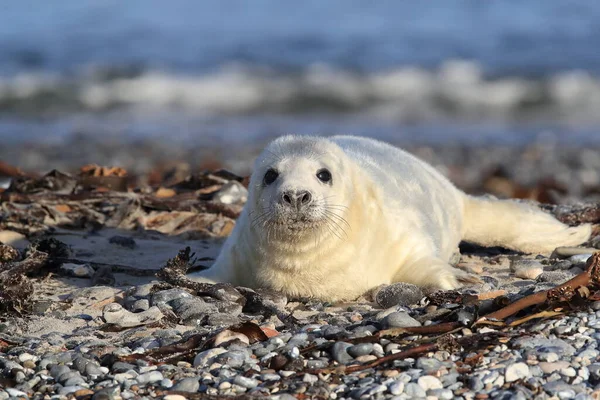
(324, 176)
(270, 176)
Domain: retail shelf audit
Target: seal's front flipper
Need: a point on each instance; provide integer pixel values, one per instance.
(432, 272)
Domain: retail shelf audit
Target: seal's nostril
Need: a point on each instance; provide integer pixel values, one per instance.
(306, 197)
(287, 198)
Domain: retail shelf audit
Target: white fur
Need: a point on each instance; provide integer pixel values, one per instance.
(396, 219)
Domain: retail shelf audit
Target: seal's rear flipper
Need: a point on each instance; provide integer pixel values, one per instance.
(518, 226)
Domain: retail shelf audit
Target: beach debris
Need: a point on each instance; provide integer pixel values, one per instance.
(116, 315)
(77, 270)
(16, 288)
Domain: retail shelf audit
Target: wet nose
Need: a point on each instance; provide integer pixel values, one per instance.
(296, 199)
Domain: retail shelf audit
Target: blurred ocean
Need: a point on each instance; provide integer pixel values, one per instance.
(239, 72)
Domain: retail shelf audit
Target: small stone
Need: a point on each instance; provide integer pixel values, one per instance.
(187, 385)
(556, 277)
(444, 394)
(524, 263)
(115, 314)
(27, 357)
(120, 366)
(580, 258)
(516, 371)
(471, 267)
(192, 310)
(77, 270)
(560, 388)
(107, 393)
(248, 383)
(74, 381)
(401, 293)
(428, 382)
(174, 397)
(361, 349)
(568, 372)
(140, 305)
(400, 319)
(378, 350)
(414, 390)
(233, 358)
(428, 364)
(567, 251)
(396, 388)
(69, 389)
(474, 383)
(16, 393)
(527, 269)
(167, 296)
(366, 358)
(549, 357)
(339, 352)
(550, 367)
(273, 377)
(308, 378)
(83, 392)
(542, 344)
(390, 373)
(150, 377)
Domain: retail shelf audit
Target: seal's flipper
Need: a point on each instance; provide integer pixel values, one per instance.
(432, 272)
(518, 226)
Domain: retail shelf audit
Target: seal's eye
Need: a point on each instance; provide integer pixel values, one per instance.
(270, 176)
(324, 175)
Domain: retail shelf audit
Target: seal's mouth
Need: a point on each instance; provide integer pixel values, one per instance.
(282, 224)
(298, 223)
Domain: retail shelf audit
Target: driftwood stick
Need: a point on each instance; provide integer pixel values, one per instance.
(590, 276)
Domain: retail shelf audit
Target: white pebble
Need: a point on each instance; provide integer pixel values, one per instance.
(174, 397)
(516, 371)
(428, 382)
(308, 378)
(528, 272)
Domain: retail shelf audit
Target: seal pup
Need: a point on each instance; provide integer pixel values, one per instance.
(332, 218)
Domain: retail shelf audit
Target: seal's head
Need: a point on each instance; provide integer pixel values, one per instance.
(300, 187)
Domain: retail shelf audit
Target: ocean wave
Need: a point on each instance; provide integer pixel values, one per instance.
(457, 90)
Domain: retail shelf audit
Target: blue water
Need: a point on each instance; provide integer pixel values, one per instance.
(508, 69)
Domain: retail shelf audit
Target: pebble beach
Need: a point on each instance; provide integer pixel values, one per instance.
(103, 323)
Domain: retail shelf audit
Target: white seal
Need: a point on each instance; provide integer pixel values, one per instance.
(334, 217)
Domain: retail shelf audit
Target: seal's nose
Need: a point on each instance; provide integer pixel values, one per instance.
(296, 199)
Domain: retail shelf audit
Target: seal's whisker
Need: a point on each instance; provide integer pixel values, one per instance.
(336, 207)
(332, 231)
(334, 223)
(262, 218)
(339, 218)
